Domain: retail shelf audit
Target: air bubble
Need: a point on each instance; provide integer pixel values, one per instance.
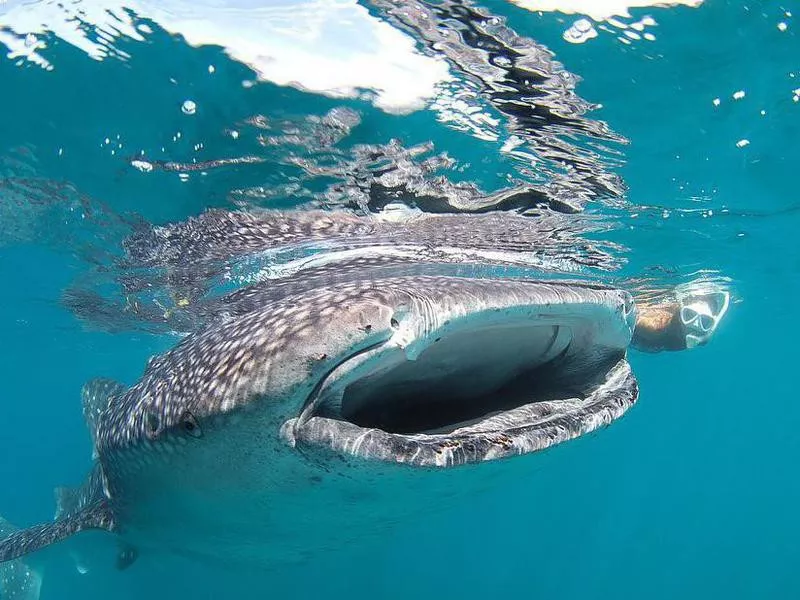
(189, 107)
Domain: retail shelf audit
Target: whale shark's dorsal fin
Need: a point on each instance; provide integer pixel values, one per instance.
(96, 395)
(96, 515)
(68, 500)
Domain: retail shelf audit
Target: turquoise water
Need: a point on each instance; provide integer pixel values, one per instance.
(691, 493)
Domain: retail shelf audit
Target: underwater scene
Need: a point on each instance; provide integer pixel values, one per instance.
(398, 299)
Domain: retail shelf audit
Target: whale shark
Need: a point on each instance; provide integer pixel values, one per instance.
(300, 422)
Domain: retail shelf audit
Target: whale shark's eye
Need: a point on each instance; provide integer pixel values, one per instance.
(190, 425)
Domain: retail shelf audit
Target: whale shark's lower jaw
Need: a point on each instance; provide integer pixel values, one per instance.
(486, 391)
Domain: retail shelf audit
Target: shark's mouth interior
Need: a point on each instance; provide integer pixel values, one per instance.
(459, 381)
(475, 393)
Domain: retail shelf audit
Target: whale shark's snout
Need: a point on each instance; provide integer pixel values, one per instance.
(493, 370)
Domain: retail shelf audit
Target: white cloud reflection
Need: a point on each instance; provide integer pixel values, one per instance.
(599, 10)
(333, 47)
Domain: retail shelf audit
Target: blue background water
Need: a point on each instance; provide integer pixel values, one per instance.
(693, 493)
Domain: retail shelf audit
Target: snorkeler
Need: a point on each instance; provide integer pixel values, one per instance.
(686, 320)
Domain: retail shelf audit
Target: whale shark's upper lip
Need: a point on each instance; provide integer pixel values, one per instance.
(488, 386)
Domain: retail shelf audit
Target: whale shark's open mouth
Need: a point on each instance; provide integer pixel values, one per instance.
(485, 386)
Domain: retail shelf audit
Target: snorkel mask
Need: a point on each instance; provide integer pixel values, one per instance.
(701, 312)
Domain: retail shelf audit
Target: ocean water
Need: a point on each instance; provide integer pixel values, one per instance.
(674, 128)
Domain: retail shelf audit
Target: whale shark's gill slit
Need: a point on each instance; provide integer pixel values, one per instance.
(312, 400)
(553, 339)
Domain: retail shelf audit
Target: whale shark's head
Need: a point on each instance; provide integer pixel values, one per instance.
(473, 371)
(425, 371)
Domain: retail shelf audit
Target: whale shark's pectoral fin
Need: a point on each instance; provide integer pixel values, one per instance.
(96, 515)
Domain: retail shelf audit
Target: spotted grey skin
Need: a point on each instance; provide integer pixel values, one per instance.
(183, 315)
(221, 235)
(77, 509)
(271, 353)
(94, 514)
(170, 271)
(18, 580)
(232, 442)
